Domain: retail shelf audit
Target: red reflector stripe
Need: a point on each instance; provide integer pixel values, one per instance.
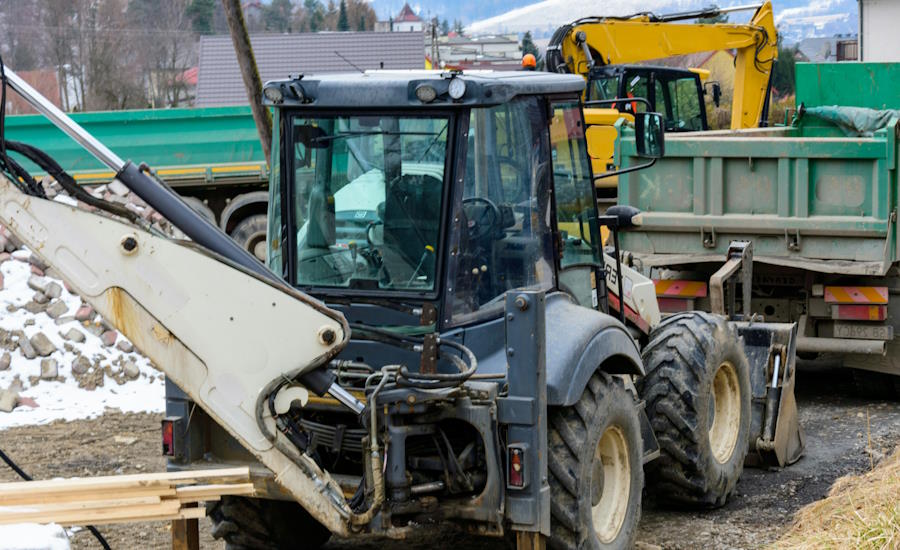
(859, 313)
(856, 295)
(630, 314)
(683, 289)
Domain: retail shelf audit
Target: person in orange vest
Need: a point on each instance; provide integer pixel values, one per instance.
(529, 63)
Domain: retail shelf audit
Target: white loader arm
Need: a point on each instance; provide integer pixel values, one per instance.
(223, 335)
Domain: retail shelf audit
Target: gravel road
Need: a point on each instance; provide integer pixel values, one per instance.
(837, 436)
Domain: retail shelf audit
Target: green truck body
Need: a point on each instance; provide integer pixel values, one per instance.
(213, 156)
(819, 207)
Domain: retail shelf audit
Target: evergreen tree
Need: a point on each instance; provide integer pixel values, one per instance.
(362, 23)
(783, 73)
(342, 23)
(277, 16)
(458, 27)
(445, 28)
(315, 15)
(528, 46)
(202, 13)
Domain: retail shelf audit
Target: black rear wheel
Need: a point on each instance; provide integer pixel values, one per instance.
(596, 473)
(259, 524)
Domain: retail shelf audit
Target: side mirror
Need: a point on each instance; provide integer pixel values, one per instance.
(621, 216)
(716, 92)
(649, 140)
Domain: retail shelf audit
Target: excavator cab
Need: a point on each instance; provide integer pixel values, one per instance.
(677, 94)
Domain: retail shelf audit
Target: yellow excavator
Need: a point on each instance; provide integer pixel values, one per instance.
(606, 50)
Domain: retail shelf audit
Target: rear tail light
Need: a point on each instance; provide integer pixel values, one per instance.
(516, 463)
(168, 436)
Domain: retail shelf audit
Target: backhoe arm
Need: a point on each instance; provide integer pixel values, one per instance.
(578, 47)
(227, 332)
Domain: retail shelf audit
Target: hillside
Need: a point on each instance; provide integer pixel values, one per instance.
(797, 19)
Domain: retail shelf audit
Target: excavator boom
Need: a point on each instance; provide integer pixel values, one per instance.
(590, 42)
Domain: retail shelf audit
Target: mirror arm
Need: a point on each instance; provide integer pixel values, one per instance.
(635, 168)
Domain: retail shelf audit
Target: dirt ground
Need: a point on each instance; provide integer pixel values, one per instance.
(835, 422)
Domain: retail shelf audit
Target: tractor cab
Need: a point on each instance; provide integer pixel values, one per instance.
(444, 188)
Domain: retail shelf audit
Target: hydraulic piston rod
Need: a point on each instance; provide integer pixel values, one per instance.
(159, 196)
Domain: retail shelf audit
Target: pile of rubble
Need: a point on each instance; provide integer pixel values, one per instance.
(51, 343)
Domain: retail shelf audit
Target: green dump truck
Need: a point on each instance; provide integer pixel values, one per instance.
(211, 156)
(818, 205)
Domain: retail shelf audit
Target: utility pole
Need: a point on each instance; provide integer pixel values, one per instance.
(250, 73)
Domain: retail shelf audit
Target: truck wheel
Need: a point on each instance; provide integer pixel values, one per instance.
(251, 234)
(201, 208)
(259, 524)
(596, 473)
(697, 391)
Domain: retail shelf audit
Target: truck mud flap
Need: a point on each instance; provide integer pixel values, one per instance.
(776, 437)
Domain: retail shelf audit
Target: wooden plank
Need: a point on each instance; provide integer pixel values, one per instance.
(202, 492)
(186, 532)
(26, 499)
(56, 486)
(94, 515)
(78, 505)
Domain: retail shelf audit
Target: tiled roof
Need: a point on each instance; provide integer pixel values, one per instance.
(278, 55)
(406, 15)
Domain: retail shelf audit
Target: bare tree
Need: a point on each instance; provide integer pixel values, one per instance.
(167, 48)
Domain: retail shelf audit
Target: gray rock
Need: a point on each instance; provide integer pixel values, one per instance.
(27, 349)
(29, 322)
(95, 329)
(5, 360)
(42, 345)
(53, 290)
(37, 283)
(131, 370)
(8, 399)
(124, 346)
(57, 309)
(37, 262)
(118, 188)
(40, 298)
(49, 369)
(64, 319)
(74, 335)
(81, 365)
(34, 307)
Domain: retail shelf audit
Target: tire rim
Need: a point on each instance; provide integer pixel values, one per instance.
(725, 409)
(612, 466)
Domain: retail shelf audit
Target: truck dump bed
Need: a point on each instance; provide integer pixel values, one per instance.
(806, 195)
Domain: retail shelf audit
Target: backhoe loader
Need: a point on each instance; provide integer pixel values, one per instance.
(430, 341)
(605, 50)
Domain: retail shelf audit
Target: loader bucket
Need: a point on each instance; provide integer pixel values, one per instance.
(776, 438)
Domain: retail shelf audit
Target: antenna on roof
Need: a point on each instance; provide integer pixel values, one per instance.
(337, 53)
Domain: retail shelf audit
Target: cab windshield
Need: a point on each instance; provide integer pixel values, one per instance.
(367, 193)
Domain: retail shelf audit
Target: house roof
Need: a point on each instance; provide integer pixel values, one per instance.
(42, 80)
(406, 15)
(279, 55)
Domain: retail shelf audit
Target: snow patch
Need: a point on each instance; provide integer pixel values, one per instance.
(65, 400)
(33, 536)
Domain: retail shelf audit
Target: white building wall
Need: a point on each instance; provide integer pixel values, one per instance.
(878, 22)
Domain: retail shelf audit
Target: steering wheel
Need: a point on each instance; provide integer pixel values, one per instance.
(482, 222)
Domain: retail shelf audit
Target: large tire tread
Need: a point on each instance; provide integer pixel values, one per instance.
(678, 373)
(568, 437)
(257, 524)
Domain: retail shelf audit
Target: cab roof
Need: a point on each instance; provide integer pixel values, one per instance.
(374, 89)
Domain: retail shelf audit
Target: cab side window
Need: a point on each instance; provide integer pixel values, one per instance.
(504, 238)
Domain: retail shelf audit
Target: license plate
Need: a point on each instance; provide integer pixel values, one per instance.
(863, 331)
